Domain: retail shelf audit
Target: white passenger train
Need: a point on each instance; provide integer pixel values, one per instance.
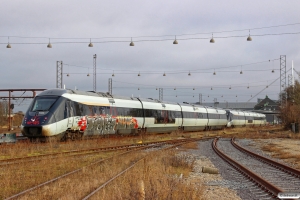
(237, 118)
(72, 114)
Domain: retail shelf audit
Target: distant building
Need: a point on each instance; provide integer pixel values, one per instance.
(270, 108)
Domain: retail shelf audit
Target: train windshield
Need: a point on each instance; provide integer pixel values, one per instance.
(43, 103)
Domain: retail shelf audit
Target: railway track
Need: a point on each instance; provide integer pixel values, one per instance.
(95, 169)
(91, 194)
(81, 152)
(73, 153)
(269, 177)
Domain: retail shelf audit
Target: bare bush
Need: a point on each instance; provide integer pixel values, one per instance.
(290, 105)
(3, 117)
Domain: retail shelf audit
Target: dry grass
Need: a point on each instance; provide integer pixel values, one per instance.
(260, 132)
(159, 172)
(270, 132)
(191, 145)
(157, 177)
(4, 129)
(281, 153)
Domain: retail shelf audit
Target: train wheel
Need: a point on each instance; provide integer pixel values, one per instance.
(79, 135)
(73, 136)
(64, 138)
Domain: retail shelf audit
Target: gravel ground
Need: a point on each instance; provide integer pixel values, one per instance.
(218, 186)
(214, 182)
(228, 184)
(291, 146)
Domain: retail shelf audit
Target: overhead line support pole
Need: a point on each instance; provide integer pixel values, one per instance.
(283, 77)
(59, 74)
(94, 72)
(10, 97)
(9, 119)
(110, 86)
(161, 95)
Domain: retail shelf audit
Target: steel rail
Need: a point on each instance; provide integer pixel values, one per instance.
(273, 163)
(72, 155)
(69, 173)
(111, 179)
(131, 166)
(80, 151)
(39, 157)
(141, 147)
(268, 187)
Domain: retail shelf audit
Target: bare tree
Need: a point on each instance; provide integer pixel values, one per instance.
(290, 105)
(3, 120)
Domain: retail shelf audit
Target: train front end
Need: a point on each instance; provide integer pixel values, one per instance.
(40, 120)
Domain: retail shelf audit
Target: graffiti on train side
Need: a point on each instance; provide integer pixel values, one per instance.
(105, 124)
(126, 123)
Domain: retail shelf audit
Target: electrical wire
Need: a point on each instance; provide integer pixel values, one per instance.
(265, 88)
(169, 35)
(178, 71)
(151, 40)
(190, 87)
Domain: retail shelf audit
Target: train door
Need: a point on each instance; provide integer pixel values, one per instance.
(70, 113)
(165, 115)
(195, 116)
(207, 117)
(112, 108)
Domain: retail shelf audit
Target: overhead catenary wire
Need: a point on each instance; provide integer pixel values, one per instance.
(128, 71)
(265, 88)
(193, 87)
(197, 87)
(150, 40)
(189, 87)
(154, 36)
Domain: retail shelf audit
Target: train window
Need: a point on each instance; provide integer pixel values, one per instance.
(202, 115)
(120, 111)
(172, 116)
(223, 116)
(192, 115)
(113, 111)
(102, 110)
(94, 109)
(77, 110)
(86, 110)
(68, 111)
(161, 116)
(213, 116)
(81, 109)
(148, 113)
(43, 103)
(131, 112)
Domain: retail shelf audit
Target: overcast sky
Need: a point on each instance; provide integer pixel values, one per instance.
(110, 25)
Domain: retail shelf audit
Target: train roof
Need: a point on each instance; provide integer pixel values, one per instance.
(60, 92)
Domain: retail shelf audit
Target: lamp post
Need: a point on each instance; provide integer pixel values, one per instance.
(9, 119)
(226, 103)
